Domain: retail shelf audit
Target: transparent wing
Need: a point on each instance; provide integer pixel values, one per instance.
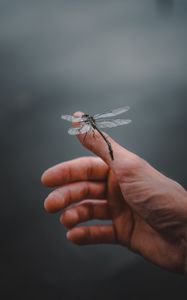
(112, 123)
(112, 113)
(74, 130)
(80, 129)
(71, 118)
(86, 128)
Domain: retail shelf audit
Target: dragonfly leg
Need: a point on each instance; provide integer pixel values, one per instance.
(110, 150)
(85, 137)
(108, 143)
(93, 132)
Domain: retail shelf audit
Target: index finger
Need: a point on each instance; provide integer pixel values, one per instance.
(79, 169)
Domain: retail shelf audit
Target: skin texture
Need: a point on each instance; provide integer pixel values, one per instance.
(148, 211)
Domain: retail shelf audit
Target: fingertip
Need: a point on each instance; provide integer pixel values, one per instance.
(78, 114)
(52, 176)
(69, 218)
(97, 142)
(71, 237)
(68, 235)
(46, 205)
(76, 235)
(42, 178)
(51, 203)
(45, 178)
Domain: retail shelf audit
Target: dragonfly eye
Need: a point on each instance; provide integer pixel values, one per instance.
(85, 117)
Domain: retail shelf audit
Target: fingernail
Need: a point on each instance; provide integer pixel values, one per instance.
(68, 234)
(78, 114)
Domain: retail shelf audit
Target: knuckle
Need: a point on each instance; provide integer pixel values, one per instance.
(90, 168)
(86, 189)
(90, 211)
(67, 197)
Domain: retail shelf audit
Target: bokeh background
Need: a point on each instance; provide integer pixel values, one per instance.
(58, 57)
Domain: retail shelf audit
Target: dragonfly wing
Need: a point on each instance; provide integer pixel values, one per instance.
(71, 118)
(112, 113)
(74, 130)
(112, 123)
(79, 130)
(85, 128)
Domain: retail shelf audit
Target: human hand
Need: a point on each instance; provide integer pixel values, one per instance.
(148, 211)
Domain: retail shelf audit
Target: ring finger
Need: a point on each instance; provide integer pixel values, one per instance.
(85, 211)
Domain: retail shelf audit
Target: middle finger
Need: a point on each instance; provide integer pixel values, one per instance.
(67, 195)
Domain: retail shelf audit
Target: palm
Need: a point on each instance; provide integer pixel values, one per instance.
(132, 231)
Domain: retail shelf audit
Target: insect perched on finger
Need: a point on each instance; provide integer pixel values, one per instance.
(87, 123)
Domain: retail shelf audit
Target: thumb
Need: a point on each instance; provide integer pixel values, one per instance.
(105, 147)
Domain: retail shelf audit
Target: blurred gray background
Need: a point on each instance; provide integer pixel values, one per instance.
(58, 57)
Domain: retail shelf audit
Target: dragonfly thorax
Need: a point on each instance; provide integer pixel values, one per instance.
(88, 119)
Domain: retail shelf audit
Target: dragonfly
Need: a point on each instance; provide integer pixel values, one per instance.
(87, 123)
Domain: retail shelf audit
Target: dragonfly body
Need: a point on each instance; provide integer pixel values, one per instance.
(91, 120)
(87, 123)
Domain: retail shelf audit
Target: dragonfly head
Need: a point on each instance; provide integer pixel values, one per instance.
(85, 117)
